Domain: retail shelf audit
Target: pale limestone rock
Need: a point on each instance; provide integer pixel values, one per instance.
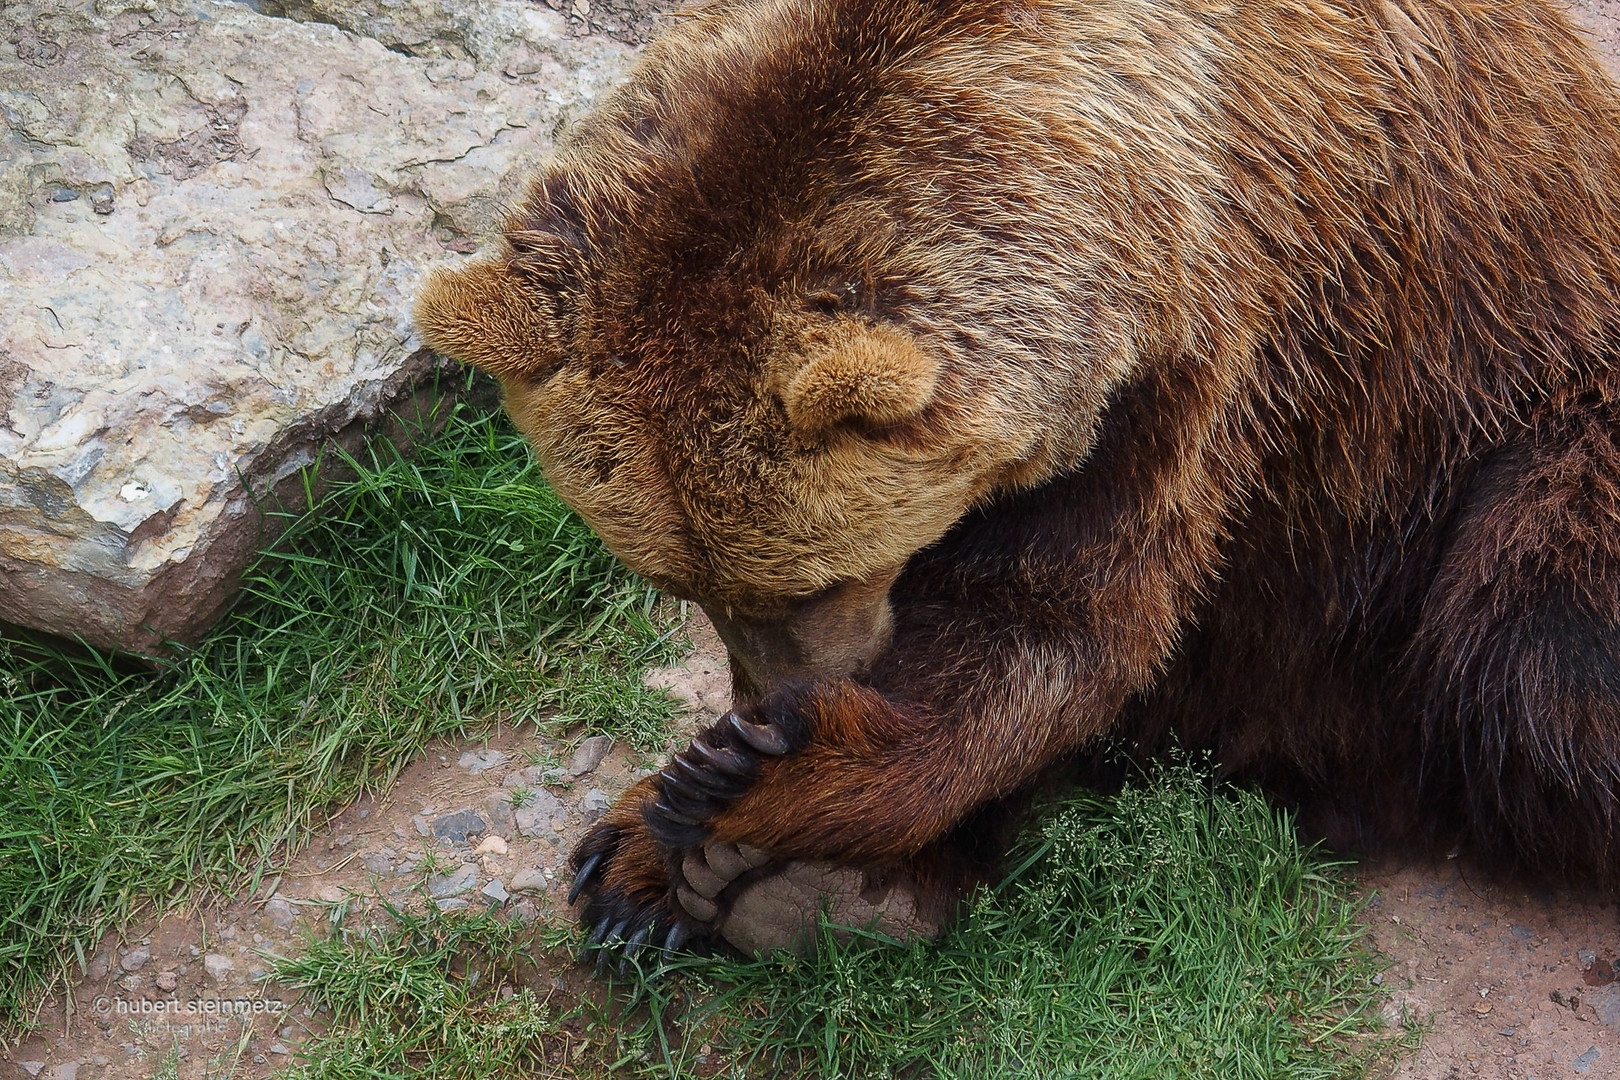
(212, 223)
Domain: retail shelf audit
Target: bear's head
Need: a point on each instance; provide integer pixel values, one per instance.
(760, 356)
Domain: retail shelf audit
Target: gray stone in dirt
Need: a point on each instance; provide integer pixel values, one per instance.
(99, 965)
(1587, 957)
(463, 881)
(280, 913)
(135, 959)
(377, 863)
(1605, 1000)
(594, 805)
(530, 881)
(496, 892)
(540, 813)
(422, 826)
(477, 761)
(68, 1070)
(1523, 933)
(498, 809)
(167, 980)
(525, 912)
(32, 1068)
(278, 1048)
(452, 903)
(1584, 1063)
(589, 754)
(218, 966)
(228, 291)
(457, 827)
(527, 777)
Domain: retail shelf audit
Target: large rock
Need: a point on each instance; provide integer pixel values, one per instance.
(211, 224)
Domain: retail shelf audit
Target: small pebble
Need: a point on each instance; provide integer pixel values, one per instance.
(444, 886)
(530, 881)
(457, 827)
(496, 891)
(477, 761)
(218, 966)
(589, 755)
(135, 959)
(280, 913)
(167, 980)
(594, 805)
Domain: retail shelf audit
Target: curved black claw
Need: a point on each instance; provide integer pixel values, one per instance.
(605, 949)
(662, 807)
(728, 762)
(715, 785)
(633, 946)
(679, 799)
(586, 870)
(766, 738)
(684, 788)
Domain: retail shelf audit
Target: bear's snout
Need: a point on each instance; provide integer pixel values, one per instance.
(836, 633)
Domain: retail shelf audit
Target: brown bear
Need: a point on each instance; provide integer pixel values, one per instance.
(1005, 377)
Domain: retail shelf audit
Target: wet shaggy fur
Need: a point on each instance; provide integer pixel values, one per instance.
(1004, 377)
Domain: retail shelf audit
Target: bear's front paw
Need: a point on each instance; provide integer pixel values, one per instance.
(645, 872)
(704, 779)
(624, 884)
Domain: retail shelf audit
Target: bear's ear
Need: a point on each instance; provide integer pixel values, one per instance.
(875, 374)
(484, 315)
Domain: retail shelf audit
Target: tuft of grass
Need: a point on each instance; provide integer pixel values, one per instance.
(417, 598)
(427, 994)
(1175, 929)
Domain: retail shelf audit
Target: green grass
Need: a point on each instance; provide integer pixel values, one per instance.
(418, 598)
(1168, 931)
(1173, 930)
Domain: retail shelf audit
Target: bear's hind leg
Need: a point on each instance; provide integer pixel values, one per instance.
(1518, 655)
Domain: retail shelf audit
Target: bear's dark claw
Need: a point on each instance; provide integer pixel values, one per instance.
(713, 782)
(676, 937)
(766, 738)
(633, 946)
(728, 762)
(662, 808)
(682, 799)
(683, 788)
(581, 879)
(605, 950)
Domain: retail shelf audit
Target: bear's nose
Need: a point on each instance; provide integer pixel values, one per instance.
(838, 632)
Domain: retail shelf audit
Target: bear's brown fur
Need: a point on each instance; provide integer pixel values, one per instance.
(1001, 376)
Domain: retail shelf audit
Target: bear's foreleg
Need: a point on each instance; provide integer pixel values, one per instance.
(855, 794)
